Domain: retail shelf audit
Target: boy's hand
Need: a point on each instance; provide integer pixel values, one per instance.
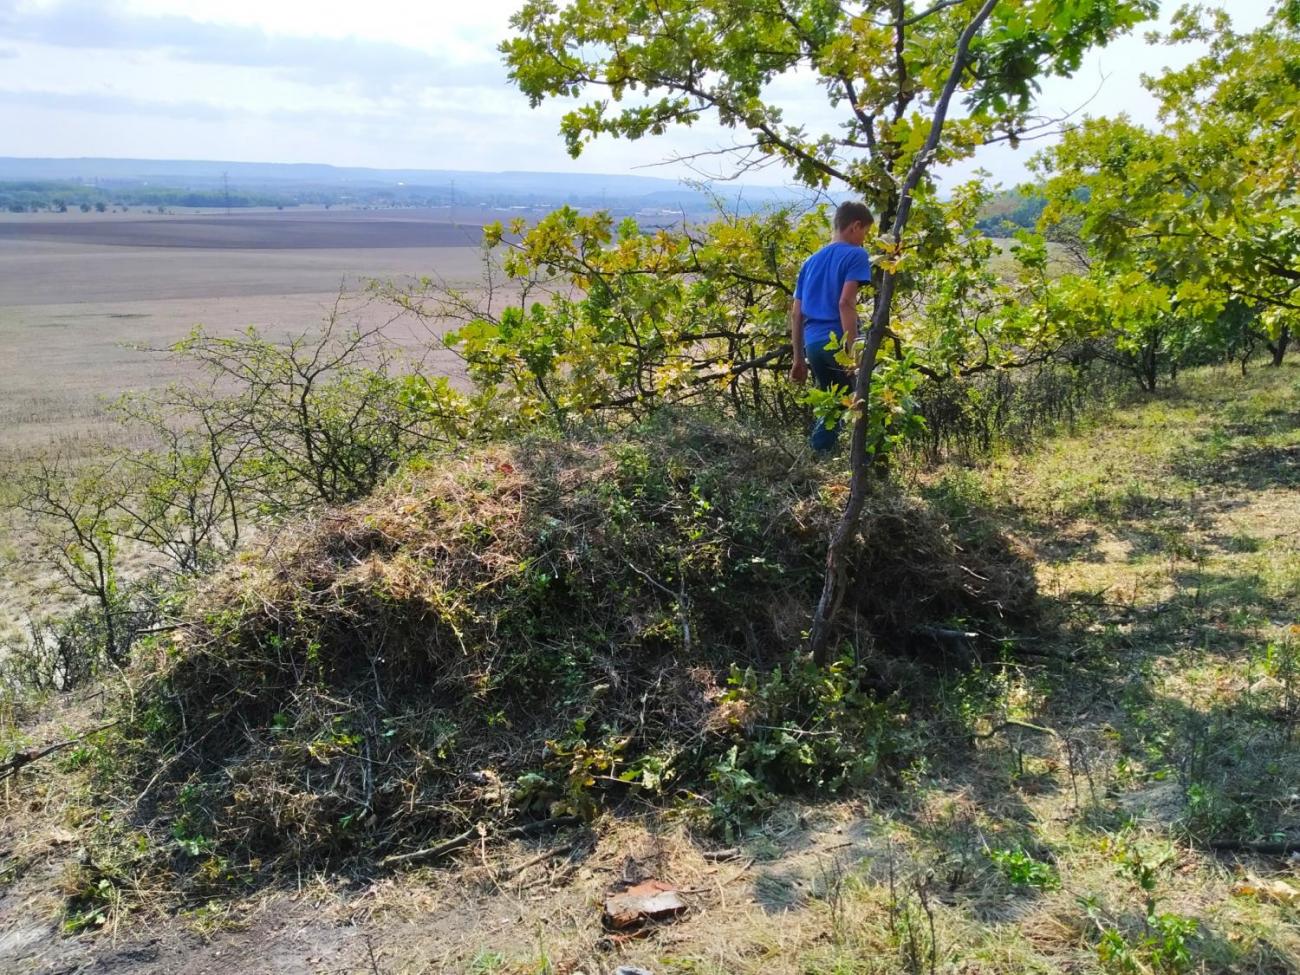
(799, 371)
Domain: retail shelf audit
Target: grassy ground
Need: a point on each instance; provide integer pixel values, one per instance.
(1132, 808)
(1168, 540)
(1118, 794)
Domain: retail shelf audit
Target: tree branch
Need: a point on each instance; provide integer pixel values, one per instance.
(20, 760)
(833, 583)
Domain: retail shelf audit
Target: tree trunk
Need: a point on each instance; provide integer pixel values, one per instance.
(1279, 346)
(833, 582)
(1145, 365)
(860, 463)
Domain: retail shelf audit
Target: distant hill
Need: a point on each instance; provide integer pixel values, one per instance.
(88, 182)
(1010, 210)
(297, 183)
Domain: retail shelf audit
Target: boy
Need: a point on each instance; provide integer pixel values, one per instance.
(825, 304)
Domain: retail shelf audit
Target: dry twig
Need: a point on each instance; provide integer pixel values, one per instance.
(466, 838)
(21, 759)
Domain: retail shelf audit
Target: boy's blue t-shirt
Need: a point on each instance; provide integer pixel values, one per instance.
(818, 288)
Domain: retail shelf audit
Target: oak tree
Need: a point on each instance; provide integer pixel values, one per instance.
(1207, 201)
(914, 86)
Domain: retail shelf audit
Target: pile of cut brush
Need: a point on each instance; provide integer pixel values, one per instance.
(532, 629)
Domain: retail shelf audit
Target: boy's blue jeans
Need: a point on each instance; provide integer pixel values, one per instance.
(826, 372)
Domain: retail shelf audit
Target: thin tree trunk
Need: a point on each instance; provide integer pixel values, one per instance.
(833, 583)
(1279, 346)
(1149, 374)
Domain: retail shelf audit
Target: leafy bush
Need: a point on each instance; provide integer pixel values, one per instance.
(73, 649)
(279, 429)
(804, 729)
(1022, 870)
(1165, 946)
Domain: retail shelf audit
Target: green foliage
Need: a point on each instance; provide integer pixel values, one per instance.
(615, 323)
(893, 417)
(1212, 814)
(76, 520)
(810, 729)
(100, 887)
(92, 906)
(1010, 210)
(280, 429)
(1203, 209)
(625, 321)
(892, 72)
(323, 418)
(1023, 870)
(803, 729)
(684, 60)
(74, 648)
(1165, 946)
(1165, 940)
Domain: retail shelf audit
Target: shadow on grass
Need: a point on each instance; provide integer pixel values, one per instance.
(1173, 716)
(1252, 467)
(1250, 450)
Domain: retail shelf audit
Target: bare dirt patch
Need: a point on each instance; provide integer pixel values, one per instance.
(290, 230)
(529, 907)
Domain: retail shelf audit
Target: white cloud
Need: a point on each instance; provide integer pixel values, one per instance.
(466, 31)
(374, 65)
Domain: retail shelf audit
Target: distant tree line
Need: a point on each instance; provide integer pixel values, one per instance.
(1009, 210)
(61, 197)
(999, 217)
(34, 196)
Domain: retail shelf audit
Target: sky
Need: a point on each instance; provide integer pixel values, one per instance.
(384, 83)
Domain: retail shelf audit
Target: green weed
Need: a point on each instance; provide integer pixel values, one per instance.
(1022, 870)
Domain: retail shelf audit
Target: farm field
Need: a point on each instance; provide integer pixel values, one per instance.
(84, 298)
(87, 303)
(308, 228)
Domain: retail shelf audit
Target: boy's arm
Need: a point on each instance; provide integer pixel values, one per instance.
(799, 369)
(849, 313)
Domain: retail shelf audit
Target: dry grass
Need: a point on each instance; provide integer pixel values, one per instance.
(1166, 540)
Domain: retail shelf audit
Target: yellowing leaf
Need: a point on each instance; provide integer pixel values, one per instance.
(1275, 891)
